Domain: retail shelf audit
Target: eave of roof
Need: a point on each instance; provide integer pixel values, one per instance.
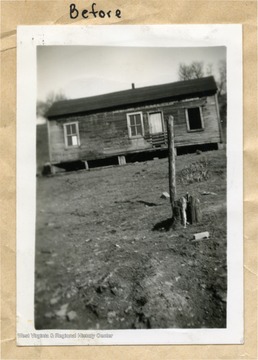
(123, 99)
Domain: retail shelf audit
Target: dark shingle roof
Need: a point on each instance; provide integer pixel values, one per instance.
(123, 99)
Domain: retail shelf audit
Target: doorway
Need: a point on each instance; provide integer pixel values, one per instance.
(156, 122)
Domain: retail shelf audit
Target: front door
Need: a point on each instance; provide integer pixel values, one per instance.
(155, 123)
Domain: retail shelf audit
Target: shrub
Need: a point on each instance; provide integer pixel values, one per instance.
(195, 172)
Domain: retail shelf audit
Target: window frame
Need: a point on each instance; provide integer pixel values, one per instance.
(187, 119)
(129, 125)
(66, 135)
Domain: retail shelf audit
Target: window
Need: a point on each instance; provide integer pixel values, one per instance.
(71, 133)
(194, 119)
(135, 124)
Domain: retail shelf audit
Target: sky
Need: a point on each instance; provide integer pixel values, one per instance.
(82, 71)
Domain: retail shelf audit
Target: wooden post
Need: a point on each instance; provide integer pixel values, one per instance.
(193, 210)
(171, 163)
(52, 169)
(121, 160)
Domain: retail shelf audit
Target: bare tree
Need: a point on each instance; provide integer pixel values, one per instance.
(184, 72)
(44, 106)
(209, 69)
(195, 70)
(191, 71)
(222, 80)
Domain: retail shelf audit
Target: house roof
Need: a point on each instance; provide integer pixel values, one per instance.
(123, 99)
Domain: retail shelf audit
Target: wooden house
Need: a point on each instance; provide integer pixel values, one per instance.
(118, 124)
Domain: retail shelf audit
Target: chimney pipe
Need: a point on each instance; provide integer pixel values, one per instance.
(133, 86)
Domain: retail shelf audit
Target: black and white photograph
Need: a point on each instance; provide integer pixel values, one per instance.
(132, 189)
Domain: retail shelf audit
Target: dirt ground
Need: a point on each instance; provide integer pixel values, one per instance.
(105, 261)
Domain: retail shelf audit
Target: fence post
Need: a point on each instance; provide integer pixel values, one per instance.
(171, 163)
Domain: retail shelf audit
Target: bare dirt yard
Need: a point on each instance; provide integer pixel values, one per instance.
(105, 261)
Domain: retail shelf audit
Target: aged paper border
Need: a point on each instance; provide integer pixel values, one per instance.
(163, 12)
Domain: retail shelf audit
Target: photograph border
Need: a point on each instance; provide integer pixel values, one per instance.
(157, 36)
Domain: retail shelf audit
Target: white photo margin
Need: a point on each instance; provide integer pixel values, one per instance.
(28, 38)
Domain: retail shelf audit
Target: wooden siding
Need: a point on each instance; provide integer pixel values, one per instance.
(106, 134)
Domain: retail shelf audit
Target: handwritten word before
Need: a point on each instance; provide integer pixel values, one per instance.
(93, 13)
